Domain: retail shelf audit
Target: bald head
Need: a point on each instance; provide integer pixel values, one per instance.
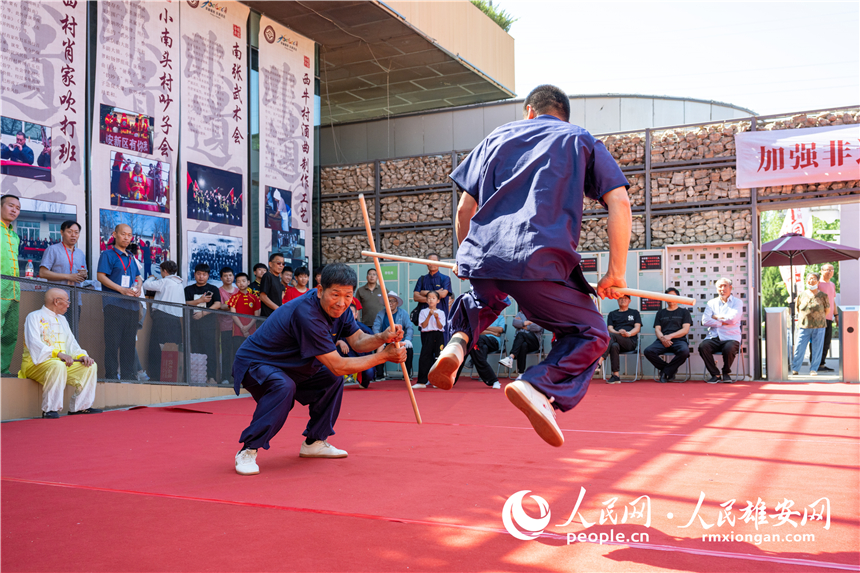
(122, 236)
(57, 300)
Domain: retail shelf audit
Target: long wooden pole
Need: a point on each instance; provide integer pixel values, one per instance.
(628, 291)
(387, 304)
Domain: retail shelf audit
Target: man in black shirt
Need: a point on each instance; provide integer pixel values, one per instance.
(204, 327)
(671, 325)
(623, 325)
(271, 289)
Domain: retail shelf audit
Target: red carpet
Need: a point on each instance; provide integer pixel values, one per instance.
(154, 489)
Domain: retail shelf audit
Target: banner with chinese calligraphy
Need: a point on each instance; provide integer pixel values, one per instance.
(798, 156)
(214, 154)
(286, 141)
(796, 221)
(42, 89)
(135, 120)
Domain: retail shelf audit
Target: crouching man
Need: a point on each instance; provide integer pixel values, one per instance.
(292, 357)
(53, 358)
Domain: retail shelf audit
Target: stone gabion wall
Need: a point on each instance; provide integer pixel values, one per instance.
(822, 119)
(345, 214)
(783, 190)
(347, 178)
(593, 236)
(701, 227)
(417, 208)
(705, 142)
(415, 171)
(696, 185)
(344, 249)
(627, 149)
(419, 243)
(636, 193)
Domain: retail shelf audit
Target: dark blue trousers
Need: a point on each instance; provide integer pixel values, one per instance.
(275, 393)
(565, 309)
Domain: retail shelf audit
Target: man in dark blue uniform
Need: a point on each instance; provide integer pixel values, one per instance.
(293, 357)
(435, 281)
(518, 225)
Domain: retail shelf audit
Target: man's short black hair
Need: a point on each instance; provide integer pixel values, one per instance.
(67, 224)
(546, 99)
(21, 133)
(9, 196)
(302, 271)
(202, 268)
(338, 274)
(169, 267)
(273, 256)
(369, 270)
(674, 290)
(287, 269)
(226, 270)
(259, 266)
(432, 254)
(243, 275)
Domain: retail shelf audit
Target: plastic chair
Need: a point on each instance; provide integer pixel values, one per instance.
(706, 374)
(638, 361)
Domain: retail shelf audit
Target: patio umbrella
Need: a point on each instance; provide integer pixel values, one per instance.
(795, 248)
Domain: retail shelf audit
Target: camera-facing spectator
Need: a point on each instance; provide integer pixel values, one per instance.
(722, 316)
(301, 287)
(271, 292)
(435, 281)
(203, 326)
(260, 271)
(246, 303)
(225, 326)
(671, 326)
(65, 263)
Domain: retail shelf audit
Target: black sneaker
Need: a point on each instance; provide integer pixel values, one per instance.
(614, 380)
(87, 411)
(663, 378)
(825, 369)
(52, 414)
(714, 380)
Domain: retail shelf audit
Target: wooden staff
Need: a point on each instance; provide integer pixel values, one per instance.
(387, 305)
(628, 291)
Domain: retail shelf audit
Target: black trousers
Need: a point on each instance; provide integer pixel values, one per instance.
(204, 338)
(828, 334)
(165, 328)
(120, 326)
(617, 345)
(486, 345)
(729, 348)
(680, 349)
(524, 343)
(432, 342)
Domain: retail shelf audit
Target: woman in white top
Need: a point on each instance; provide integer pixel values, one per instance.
(166, 320)
(431, 320)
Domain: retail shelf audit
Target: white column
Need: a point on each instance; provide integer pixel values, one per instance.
(849, 271)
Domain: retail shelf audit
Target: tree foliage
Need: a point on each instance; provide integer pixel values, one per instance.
(496, 14)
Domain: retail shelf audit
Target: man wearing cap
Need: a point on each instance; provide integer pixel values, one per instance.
(400, 317)
(722, 316)
(623, 325)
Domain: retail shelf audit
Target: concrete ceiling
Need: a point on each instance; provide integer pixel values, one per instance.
(374, 64)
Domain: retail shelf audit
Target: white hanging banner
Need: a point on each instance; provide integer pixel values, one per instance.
(286, 141)
(798, 156)
(135, 124)
(42, 89)
(796, 221)
(214, 164)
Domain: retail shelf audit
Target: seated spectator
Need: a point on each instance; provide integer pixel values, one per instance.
(624, 325)
(527, 340)
(166, 319)
(260, 271)
(225, 326)
(431, 321)
(53, 358)
(671, 326)
(203, 325)
(246, 303)
(401, 317)
(365, 377)
(723, 318)
(490, 341)
(301, 287)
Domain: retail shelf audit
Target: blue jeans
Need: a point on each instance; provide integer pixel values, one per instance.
(815, 337)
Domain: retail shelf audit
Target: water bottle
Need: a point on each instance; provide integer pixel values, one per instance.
(28, 270)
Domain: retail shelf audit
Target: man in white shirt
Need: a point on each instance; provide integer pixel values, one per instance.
(53, 358)
(723, 316)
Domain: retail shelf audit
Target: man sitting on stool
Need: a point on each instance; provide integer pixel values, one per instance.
(53, 358)
(671, 326)
(723, 319)
(624, 325)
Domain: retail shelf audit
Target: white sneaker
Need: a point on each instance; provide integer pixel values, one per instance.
(246, 463)
(507, 362)
(538, 410)
(142, 376)
(496, 385)
(419, 386)
(320, 449)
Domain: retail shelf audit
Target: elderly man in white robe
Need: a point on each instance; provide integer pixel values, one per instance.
(53, 358)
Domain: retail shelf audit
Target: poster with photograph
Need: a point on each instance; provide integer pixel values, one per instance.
(278, 208)
(25, 149)
(214, 123)
(38, 226)
(291, 244)
(139, 183)
(135, 136)
(286, 129)
(150, 233)
(217, 251)
(125, 129)
(214, 195)
(42, 93)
